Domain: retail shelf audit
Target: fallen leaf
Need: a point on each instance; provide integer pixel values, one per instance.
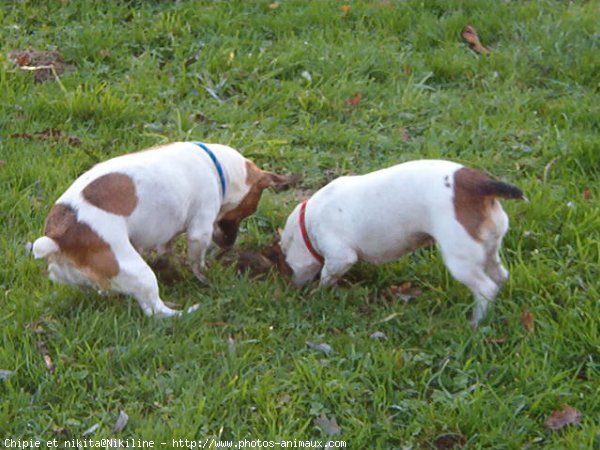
(378, 335)
(449, 441)
(470, 36)
(91, 429)
(4, 374)
(582, 374)
(231, 345)
(51, 134)
(328, 425)
(354, 100)
(345, 9)
(2, 162)
(59, 431)
(399, 360)
(586, 194)
(325, 348)
(495, 340)
(390, 317)
(404, 134)
(201, 118)
(104, 53)
(121, 422)
(43, 349)
(405, 291)
(560, 419)
(273, 6)
(527, 321)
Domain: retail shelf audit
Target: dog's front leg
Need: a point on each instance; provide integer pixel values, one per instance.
(337, 265)
(199, 240)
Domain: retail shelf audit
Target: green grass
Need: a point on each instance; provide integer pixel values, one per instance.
(527, 113)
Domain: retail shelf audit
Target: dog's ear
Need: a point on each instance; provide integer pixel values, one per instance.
(279, 182)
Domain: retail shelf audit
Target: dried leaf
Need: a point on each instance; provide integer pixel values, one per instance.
(527, 321)
(121, 422)
(378, 335)
(470, 36)
(582, 374)
(354, 101)
(43, 349)
(560, 419)
(91, 429)
(404, 134)
(51, 134)
(390, 317)
(104, 53)
(231, 345)
(328, 425)
(325, 348)
(345, 9)
(4, 374)
(449, 441)
(495, 340)
(273, 6)
(2, 162)
(586, 194)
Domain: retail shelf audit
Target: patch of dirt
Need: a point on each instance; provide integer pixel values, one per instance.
(45, 65)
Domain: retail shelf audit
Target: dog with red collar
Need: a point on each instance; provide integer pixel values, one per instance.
(383, 215)
(143, 201)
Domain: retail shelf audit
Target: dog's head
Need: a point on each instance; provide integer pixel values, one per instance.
(293, 254)
(242, 200)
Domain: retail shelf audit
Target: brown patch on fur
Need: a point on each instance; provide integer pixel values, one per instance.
(470, 207)
(258, 180)
(81, 245)
(113, 192)
(475, 196)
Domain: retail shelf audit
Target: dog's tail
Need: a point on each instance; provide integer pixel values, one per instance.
(44, 247)
(495, 188)
(481, 184)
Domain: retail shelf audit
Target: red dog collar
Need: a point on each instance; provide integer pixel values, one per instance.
(304, 233)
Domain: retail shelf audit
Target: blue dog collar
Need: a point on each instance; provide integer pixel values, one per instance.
(218, 165)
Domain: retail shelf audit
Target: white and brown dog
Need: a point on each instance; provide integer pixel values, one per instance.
(144, 200)
(383, 215)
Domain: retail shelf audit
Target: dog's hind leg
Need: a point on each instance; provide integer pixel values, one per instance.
(137, 279)
(467, 265)
(494, 268)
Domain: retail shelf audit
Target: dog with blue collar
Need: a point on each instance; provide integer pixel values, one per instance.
(95, 231)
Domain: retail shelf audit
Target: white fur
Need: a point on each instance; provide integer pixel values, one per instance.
(380, 216)
(178, 190)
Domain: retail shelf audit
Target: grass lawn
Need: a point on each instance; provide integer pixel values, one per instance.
(321, 90)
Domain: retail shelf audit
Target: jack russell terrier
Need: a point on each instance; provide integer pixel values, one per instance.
(144, 200)
(383, 215)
